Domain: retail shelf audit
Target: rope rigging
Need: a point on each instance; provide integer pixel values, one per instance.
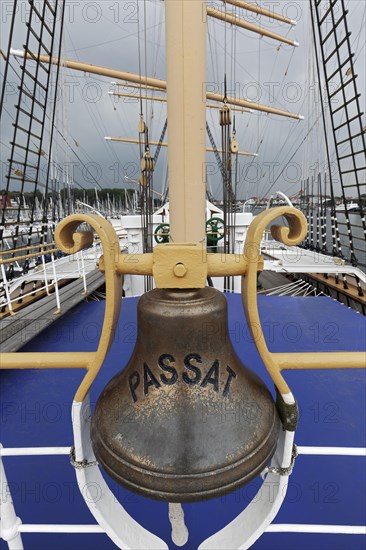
(30, 144)
(346, 125)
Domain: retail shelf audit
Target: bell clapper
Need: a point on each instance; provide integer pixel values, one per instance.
(179, 529)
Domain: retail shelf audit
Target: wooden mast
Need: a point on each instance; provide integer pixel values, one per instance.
(186, 74)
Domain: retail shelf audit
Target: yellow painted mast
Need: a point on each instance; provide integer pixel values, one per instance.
(186, 72)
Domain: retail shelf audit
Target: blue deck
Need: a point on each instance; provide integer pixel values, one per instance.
(322, 490)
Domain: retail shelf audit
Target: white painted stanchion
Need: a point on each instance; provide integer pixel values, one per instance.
(6, 288)
(57, 294)
(83, 274)
(45, 274)
(9, 522)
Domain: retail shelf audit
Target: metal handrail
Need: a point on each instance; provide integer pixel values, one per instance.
(21, 249)
(79, 271)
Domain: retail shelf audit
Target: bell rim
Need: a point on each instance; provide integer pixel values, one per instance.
(232, 465)
(182, 496)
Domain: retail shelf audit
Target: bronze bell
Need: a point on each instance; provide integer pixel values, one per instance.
(184, 420)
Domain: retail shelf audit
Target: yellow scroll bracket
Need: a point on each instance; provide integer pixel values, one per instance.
(276, 362)
(71, 242)
(181, 265)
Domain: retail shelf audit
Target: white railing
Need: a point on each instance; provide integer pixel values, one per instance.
(50, 273)
(11, 526)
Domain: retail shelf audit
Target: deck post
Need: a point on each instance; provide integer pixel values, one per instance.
(6, 289)
(57, 293)
(45, 274)
(83, 274)
(9, 522)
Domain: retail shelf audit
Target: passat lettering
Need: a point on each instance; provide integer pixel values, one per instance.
(194, 374)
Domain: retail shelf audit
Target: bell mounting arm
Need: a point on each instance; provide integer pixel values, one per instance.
(276, 362)
(70, 242)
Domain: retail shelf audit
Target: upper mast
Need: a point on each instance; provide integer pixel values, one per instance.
(186, 75)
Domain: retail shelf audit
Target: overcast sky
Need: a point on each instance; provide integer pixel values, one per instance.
(117, 34)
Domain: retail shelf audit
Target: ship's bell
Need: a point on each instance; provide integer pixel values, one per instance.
(184, 420)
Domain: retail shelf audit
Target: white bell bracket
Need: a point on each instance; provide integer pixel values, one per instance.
(128, 534)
